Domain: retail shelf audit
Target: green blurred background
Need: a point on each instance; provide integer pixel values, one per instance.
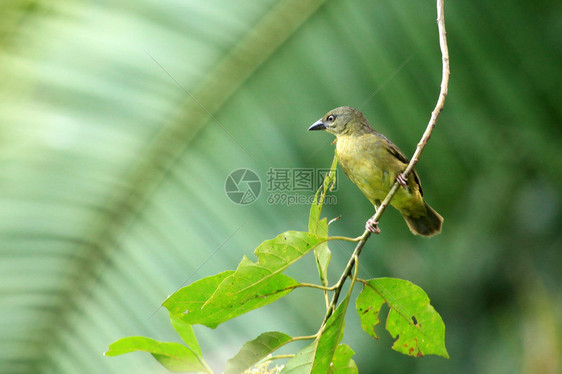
(120, 122)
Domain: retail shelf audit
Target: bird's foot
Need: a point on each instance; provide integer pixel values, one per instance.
(402, 181)
(372, 226)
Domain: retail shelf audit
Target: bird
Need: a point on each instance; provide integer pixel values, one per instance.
(373, 163)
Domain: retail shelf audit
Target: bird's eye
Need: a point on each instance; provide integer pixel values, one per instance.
(331, 118)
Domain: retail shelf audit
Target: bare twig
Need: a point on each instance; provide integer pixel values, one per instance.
(421, 145)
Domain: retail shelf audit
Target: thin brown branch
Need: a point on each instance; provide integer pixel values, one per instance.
(421, 145)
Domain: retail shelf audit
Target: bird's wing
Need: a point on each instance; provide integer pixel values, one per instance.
(396, 152)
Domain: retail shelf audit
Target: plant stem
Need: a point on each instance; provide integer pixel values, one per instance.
(308, 337)
(339, 285)
(345, 238)
(312, 285)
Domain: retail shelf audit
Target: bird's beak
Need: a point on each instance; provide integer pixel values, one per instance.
(318, 125)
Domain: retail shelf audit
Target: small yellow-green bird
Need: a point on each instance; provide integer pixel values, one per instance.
(374, 163)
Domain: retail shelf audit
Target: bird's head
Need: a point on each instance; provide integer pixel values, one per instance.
(344, 120)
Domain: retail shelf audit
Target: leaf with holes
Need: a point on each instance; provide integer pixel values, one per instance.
(412, 321)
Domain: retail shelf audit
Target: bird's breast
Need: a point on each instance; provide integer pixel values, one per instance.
(359, 161)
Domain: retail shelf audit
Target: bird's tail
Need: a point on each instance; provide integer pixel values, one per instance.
(426, 225)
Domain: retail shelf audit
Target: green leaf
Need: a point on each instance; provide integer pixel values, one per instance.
(216, 310)
(220, 298)
(277, 254)
(253, 351)
(317, 357)
(316, 208)
(320, 227)
(174, 356)
(412, 321)
(186, 333)
(263, 279)
(342, 363)
(329, 339)
(186, 303)
(302, 362)
(322, 253)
